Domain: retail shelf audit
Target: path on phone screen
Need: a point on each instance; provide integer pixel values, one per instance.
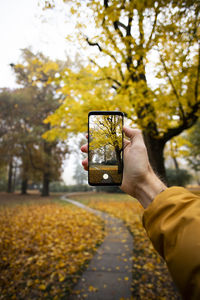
(109, 273)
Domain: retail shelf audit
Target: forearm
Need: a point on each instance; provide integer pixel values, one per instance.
(148, 189)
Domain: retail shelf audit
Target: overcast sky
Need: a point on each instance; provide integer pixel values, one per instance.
(22, 25)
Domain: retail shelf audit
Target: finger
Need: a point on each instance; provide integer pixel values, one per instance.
(133, 133)
(85, 164)
(84, 148)
(86, 135)
(125, 142)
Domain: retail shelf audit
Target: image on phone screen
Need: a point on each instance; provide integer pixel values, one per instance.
(105, 155)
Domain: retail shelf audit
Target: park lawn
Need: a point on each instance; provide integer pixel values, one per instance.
(44, 245)
(151, 279)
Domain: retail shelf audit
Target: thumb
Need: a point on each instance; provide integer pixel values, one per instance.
(132, 133)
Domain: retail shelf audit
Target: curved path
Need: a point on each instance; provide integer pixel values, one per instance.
(109, 273)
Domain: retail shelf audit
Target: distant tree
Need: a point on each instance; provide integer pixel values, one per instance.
(80, 176)
(36, 74)
(12, 117)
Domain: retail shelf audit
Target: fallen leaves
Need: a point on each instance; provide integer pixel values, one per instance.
(151, 279)
(42, 249)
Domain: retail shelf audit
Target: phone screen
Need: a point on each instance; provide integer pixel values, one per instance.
(105, 155)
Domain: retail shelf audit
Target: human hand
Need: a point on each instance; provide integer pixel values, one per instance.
(139, 180)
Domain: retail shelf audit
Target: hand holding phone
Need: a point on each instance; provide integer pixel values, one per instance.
(105, 148)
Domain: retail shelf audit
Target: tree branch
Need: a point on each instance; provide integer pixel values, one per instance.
(130, 20)
(106, 3)
(111, 79)
(109, 54)
(173, 87)
(196, 90)
(153, 28)
(189, 121)
(120, 24)
(93, 44)
(115, 45)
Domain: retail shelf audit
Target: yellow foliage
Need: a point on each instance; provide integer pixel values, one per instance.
(42, 247)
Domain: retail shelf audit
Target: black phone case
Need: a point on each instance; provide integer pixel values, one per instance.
(105, 113)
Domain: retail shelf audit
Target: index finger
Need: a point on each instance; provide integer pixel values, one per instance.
(84, 148)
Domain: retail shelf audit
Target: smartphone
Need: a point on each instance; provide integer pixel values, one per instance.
(105, 147)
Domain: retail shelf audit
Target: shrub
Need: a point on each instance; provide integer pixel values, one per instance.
(179, 177)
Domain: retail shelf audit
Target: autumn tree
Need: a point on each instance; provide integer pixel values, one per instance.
(11, 123)
(35, 74)
(132, 38)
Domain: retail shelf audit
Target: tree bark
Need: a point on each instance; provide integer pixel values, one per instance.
(24, 186)
(175, 163)
(10, 176)
(45, 186)
(119, 160)
(24, 175)
(47, 169)
(155, 149)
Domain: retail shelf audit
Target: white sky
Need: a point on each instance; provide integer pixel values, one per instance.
(22, 25)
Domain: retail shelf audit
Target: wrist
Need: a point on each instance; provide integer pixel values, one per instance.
(148, 188)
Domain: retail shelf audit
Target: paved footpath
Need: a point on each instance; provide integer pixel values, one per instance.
(109, 273)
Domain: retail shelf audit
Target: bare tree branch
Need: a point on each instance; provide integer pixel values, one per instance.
(93, 44)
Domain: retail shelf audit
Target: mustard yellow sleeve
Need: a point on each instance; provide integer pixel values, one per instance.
(172, 222)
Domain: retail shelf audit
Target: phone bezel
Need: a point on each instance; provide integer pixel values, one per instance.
(105, 113)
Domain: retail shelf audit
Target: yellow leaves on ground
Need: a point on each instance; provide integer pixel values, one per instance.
(92, 289)
(42, 247)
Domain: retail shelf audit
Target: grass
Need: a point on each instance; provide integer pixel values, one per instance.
(86, 198)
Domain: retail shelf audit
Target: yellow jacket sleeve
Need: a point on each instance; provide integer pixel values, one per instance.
(172, 222)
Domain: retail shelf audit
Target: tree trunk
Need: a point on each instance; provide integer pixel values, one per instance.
(46, 181)
(47, 169)
(119, 160)
(14, 178)
(155, 148)
(24, 186)
(175, 163)
(24, 175)
(10, 175)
